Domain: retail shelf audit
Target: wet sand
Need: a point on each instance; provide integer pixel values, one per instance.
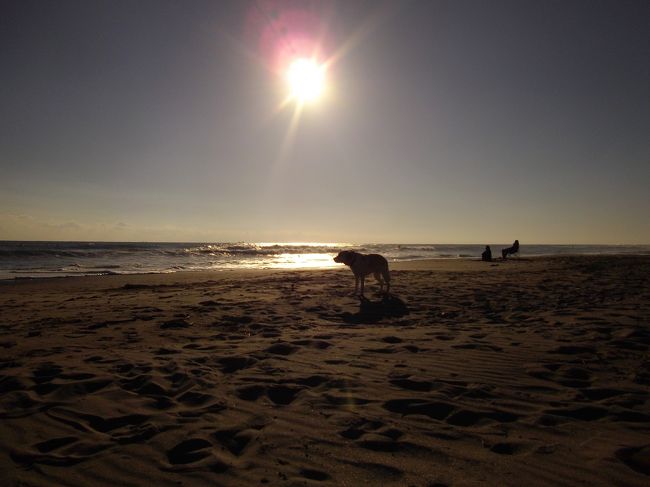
(524, 372)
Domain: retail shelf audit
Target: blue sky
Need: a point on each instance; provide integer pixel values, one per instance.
(443, 122)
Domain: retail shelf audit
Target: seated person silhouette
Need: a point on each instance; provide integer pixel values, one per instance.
(510, 250)
(487, 254)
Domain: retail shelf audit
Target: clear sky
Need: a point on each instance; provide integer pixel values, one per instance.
(442, 121)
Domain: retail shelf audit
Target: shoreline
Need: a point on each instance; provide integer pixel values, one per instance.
(443, 263)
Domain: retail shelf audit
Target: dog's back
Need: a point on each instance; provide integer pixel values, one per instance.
(375, 263)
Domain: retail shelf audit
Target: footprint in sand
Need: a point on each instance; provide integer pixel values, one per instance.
(55, 443)
(19, 404)
(282, 348)
(46, 372)
(175, 324)
(478, 346)
(9, 383)
(448, 412)
(637, 458)
(413, 385)
(144, 385)
(573, 350)
(317, 344)
(346, 401)
(510, 448)
(281, 395)
(583, 413)
(600, 393)
(470, 418)
(384, 472)
(189, 451)
(75, 453)
(391, 339)
(192, 398)
(380, 350)
(236, 320)
(228, 365)
(73, 389)
(434, 409)
(311, 381)
(312, 474)
(236, 440)
(250, 393)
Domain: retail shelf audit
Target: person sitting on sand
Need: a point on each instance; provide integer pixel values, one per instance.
(510, 250)
(486, 256)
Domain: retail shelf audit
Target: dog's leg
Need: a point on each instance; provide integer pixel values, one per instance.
(356, 285)
(363, 279)
(380, 281)
(387, 279)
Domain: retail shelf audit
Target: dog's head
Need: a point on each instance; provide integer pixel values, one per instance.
(344, 257)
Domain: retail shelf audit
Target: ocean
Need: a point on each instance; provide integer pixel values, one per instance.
(58, 259)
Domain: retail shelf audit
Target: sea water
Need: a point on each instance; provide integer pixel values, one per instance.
(51, 259)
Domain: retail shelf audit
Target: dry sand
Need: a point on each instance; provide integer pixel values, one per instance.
(525, 372)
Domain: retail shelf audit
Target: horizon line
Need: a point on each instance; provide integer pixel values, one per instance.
(307, 242)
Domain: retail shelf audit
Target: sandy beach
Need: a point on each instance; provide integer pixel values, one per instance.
(533, 371)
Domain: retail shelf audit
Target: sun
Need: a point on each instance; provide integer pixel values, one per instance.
(306, 79)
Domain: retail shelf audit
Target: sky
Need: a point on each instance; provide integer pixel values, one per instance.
(441, 122)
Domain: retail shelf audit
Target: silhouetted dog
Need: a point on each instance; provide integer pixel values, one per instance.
(363, 265)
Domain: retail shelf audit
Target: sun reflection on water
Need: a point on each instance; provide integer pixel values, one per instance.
(302, 261)
(274, 255)
(305, 260)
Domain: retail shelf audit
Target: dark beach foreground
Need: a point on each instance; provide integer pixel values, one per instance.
(524, 372)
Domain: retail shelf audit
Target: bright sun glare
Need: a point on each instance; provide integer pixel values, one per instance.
(307, 79)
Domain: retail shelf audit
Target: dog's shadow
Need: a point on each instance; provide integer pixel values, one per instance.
(374, 311)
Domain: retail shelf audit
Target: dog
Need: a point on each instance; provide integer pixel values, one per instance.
(363, 265)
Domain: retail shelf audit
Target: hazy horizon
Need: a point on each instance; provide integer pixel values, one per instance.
(441, 122)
